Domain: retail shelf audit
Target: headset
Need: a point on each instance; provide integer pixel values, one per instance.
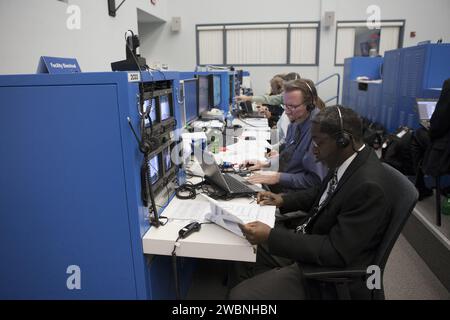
(343, 138)
(310, 107)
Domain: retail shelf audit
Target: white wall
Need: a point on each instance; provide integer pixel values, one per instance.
(178, 49)
(428, 18)
(33, 28)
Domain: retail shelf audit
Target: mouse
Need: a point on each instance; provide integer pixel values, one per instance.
(237, 126)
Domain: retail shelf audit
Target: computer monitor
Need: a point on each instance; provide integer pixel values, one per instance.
(164, 107)
(167, 160)
(203, 94)
(153, 165)
(425, 108)
(150, 103)
(216, 90)
(190, 99)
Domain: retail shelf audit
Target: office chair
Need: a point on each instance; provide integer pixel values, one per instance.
(436, 163)
(343, 278)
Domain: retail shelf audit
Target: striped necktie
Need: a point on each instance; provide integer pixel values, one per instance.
(332, 184)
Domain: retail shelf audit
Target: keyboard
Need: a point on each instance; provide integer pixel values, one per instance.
(237, 186)
(254, 114)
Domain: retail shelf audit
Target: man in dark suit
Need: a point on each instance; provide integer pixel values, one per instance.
(347, 216)
(424, 138)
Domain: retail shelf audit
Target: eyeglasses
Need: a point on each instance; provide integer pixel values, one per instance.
(293, 107)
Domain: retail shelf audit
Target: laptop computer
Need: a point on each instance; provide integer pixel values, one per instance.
(231, 183)
(425, 109)
(248, 111)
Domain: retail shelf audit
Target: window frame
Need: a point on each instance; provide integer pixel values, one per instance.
(400, 34)
(224, 26)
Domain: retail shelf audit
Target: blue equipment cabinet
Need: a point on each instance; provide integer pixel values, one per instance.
(374, 101)
(410, 73)
(389, 99)
(355, 67)
(422, 67)
(70, 189)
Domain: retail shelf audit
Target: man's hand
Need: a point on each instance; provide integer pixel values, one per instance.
(243, 98)
(265, 177)
(273, 154)
(253, 165)
(270, 199)
(255, 232)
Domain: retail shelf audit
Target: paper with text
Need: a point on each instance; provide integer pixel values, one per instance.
(230, 215)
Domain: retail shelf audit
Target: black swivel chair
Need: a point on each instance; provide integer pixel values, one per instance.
(343, 278)
(436, 163)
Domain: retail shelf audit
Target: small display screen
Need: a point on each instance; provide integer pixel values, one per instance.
(153, 165)
(216, 86)
(150, 104)
(167, 160)
(165, 107)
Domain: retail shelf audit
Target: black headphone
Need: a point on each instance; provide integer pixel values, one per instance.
(343, 138)
(310, 107)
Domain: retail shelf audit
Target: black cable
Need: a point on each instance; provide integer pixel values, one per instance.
(153, 69)
(190, 188)
(175, 268)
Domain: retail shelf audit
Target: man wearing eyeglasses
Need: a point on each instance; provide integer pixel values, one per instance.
(295, 167)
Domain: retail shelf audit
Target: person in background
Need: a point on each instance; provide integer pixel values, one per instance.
(297, 168)
(274, 112)
(267, 98)
(424, 138)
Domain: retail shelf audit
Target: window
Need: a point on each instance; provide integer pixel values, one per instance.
(355, 39)
(256, 44)
(211, 46)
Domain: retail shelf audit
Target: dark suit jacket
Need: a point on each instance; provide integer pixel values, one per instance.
(440, 120)
(349, 227)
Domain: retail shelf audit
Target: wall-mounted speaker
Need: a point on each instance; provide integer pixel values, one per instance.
(175, 24)
(328, 19)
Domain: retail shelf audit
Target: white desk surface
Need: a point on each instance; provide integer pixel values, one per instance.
(211, 242)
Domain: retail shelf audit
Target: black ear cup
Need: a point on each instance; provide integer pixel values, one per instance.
(342, 138)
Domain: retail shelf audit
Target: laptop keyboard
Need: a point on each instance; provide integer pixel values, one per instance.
(237, 186)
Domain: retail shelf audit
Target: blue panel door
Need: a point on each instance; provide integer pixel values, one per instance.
(62, 194)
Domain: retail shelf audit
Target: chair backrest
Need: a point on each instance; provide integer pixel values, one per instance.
(404, 198)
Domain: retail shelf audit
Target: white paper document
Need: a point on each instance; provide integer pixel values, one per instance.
(230, 215)
(193, 210)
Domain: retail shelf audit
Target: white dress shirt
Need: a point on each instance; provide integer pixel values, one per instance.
(340, 172)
